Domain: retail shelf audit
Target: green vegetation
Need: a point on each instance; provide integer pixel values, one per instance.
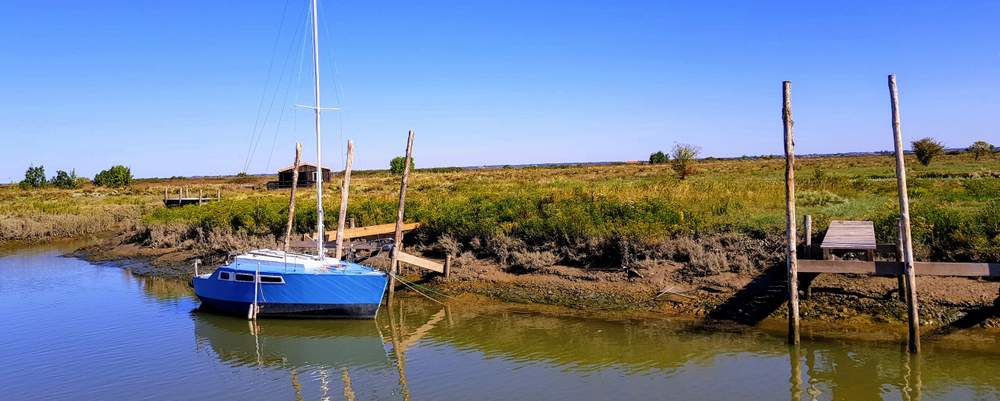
(683, 159)
(34, 177)
(926, 149)
(658, 158)
(397, 164)
(114, 177)
(66, 180)
(980, 149)
(579, 213)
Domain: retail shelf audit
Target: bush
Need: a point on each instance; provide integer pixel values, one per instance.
(397, 163)
(34, 177)
(658, 158)
(981, 148)
(114, 177)
(926, 149)
(66, 181)
(683, 159)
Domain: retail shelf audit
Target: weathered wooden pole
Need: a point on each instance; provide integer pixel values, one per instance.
(901, 277)
(793, 270)
(807, 229)
(447, 266)
(291, 198)
(904, 215)
(344, 192)
(398, 238)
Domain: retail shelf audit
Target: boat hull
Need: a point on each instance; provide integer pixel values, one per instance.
(352, 293)
(283, 310)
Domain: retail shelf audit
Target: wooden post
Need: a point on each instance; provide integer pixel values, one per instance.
(808, 232)
(199, 196)
(291, 199)
(447, 266)
(901, 277)
(793, 274)
(344, 192)
(218, 193)
(164, 193)
(398, 238)
(352, 222)
(904, 214)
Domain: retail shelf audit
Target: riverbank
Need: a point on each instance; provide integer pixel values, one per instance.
(751, 295)
(596, 237)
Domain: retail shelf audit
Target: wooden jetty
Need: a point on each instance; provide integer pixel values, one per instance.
(858, 237)
(184, 197)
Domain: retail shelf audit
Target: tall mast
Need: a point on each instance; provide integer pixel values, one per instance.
(319, 146)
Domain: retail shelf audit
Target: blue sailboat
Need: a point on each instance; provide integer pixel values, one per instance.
(284, 284)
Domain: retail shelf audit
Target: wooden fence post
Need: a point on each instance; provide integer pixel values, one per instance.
(790, 253)
(344, 193)
(291, 198)
(398, 238)
(447, 266)
(904, 214)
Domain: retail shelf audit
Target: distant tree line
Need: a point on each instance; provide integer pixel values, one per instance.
(114, 177)
(927, 148)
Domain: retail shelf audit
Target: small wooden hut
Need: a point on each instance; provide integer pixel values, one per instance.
(307, 177)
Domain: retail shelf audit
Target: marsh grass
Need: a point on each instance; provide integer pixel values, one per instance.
(592, 209)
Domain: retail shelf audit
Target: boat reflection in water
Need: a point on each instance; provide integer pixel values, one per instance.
(315, 344)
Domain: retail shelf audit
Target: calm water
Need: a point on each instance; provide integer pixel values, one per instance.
(83, 332)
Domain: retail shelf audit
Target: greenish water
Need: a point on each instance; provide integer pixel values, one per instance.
(76, 331)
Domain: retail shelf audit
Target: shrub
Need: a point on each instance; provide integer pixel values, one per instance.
(34, 177)
(66, 181)
(658, 158)
(981, 148)
(114, 177)
(397, 163)
(926, 149)
(683, 159)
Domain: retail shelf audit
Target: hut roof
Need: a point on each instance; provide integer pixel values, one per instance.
(289, 168)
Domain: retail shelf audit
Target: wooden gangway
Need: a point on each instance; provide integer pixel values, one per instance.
(849, 235)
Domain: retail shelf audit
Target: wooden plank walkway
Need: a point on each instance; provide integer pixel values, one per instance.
(849, 235)
(896, 268)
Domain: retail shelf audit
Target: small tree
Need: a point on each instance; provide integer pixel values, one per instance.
(66, 180)
(34, 177)
(658, 158)
(981, 148)
(114, 177)
(397, 163)
(683, 156)
(926, 149)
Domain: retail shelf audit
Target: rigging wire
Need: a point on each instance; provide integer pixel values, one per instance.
(267, 83)
(297, 84)
(337, 90)
(270, 108)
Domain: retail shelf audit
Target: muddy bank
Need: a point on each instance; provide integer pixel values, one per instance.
(730, 277)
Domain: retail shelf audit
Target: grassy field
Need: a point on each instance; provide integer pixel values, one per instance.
(569, 212)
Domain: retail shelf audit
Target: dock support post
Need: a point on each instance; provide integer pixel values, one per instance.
(790, 253)
(344, 192)
(447, 266)
(904, 214)
(901, 277)
(398, 238)
(807, 230)
(291, 198)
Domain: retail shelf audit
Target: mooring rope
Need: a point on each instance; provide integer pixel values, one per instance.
(406, 283)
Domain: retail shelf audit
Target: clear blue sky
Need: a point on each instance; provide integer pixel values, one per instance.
(173, 87)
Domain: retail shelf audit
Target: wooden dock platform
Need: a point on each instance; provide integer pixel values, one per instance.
(849, 235)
